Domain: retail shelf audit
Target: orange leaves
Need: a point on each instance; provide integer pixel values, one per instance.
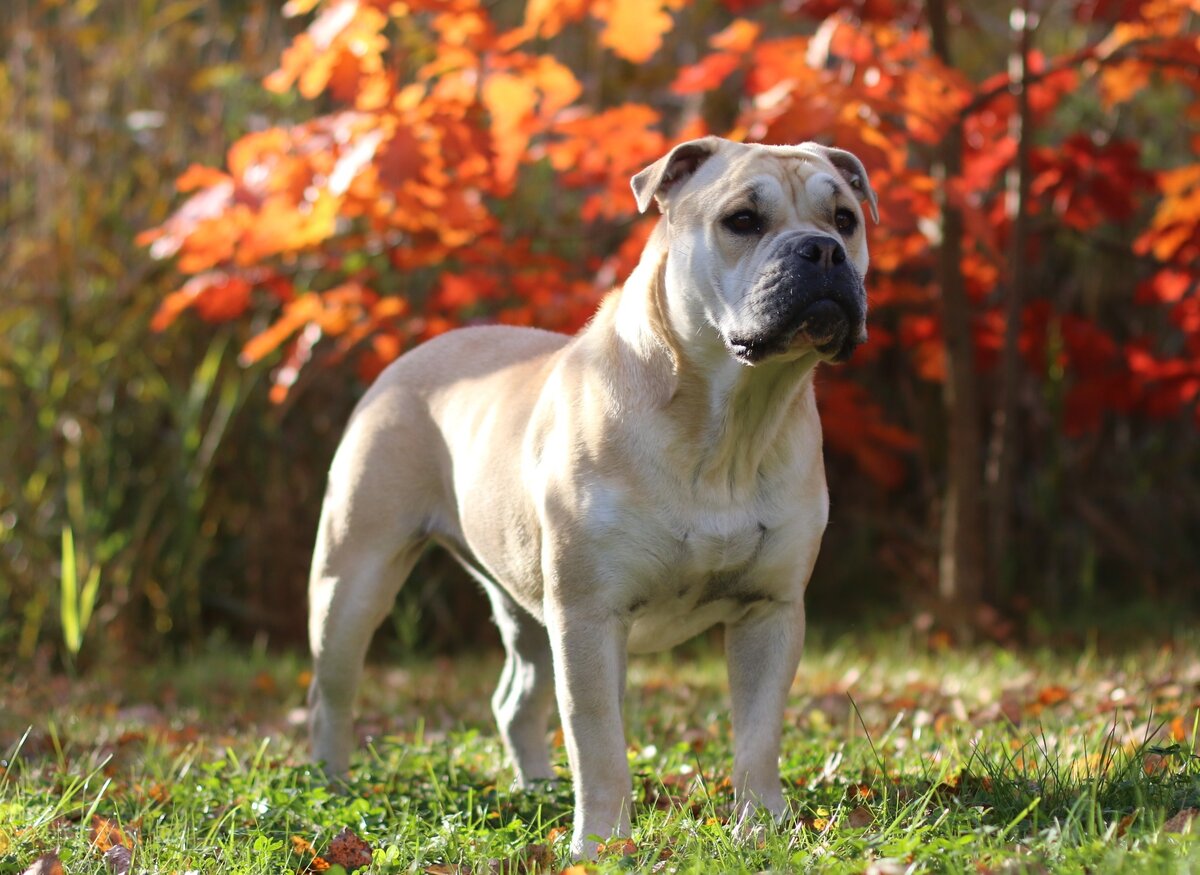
(218, 297)
(333, 312)
(341, 51)
(105, 833)
(475, 173)
(732, 45)
(634, 28)
(603, 151)
(523, 101)
(1174, 232)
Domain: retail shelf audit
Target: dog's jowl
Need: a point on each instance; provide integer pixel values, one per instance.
(623, 489)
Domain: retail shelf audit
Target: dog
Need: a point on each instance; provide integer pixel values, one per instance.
(623, 489)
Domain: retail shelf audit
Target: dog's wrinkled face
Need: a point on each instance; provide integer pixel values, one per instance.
(767, 244)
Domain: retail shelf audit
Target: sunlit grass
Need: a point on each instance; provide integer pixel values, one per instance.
(897, 757)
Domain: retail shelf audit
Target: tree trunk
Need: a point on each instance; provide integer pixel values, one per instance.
(962, 564)
(1003, 453)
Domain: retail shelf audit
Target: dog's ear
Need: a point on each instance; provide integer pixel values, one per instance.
(672, 169)
(855, 174)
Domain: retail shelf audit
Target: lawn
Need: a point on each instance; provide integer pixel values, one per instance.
(898, 756)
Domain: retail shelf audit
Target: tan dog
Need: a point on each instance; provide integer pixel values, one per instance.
(623, 489)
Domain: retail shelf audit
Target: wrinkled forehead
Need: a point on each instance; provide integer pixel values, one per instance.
(789, 174)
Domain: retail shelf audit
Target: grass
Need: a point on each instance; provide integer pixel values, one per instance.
(898, 757)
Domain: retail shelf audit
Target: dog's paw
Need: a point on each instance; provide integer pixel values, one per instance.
(753, 824)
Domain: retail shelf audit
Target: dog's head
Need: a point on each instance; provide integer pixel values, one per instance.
(767, 244)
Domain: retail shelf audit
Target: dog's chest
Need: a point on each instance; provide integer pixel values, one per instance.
(703, 571)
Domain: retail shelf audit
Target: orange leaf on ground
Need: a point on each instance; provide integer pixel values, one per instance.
(348, 851)
(1053, 695)
(617, 847)
(106, 833)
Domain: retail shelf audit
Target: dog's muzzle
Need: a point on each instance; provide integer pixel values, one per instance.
(809, 293)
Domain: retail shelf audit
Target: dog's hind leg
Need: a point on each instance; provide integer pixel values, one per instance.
(524, 698)
(351, 596)
(373, 529)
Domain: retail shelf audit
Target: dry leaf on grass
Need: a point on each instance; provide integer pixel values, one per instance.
(118, 860)
(1182, 822)
(303, 847)
(106, 833)
(533, 859)
(348, 851)
(47, 864)
(1125, 823)
(617, 848)
(860, 818)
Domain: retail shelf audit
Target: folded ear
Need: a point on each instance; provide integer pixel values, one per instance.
(855, 174)
(673, 168)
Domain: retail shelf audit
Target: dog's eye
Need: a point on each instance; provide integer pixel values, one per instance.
(845, 221)
(743, 223)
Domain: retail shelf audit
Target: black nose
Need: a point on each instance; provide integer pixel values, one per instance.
(822, 251)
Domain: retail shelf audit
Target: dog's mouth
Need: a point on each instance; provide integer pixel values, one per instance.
(823, 327)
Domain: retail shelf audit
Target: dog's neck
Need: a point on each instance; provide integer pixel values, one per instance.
(732, 422)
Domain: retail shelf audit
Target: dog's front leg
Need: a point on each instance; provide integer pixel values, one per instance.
(763, 651)
(589, 644)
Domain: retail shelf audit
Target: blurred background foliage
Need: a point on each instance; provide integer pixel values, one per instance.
(157, 467)
(152, 450)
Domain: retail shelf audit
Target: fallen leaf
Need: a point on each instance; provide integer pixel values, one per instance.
(348, 851)
(1053, 695)
(118, 860)
(617, 847)
(860, 818)
(302, 845)
(537, 858)
(1182, 822)
(47, 864)
(106, 833)
(1126, 822)
(1152, 763)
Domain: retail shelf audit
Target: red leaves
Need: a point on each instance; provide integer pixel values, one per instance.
(732, 45)
(856, 425)
(632, 29)
(1087, 184)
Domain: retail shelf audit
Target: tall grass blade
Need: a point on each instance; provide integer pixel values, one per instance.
(69, 594)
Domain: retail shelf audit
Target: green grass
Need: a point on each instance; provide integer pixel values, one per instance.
(897, 758)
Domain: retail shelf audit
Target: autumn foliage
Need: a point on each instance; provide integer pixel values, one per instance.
(469, 161)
